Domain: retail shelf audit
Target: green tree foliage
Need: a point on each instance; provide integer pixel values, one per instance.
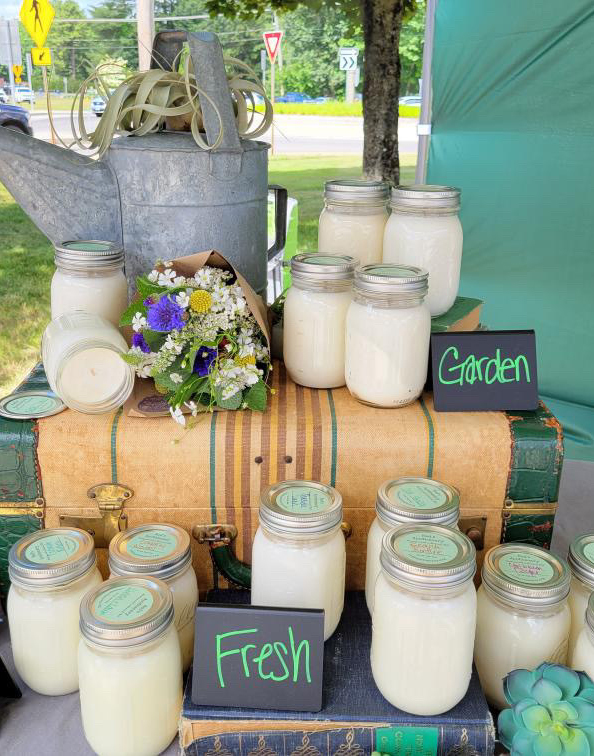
(411, 50)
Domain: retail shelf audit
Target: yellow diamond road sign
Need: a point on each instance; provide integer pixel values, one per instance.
(37, 16)
(41, 56)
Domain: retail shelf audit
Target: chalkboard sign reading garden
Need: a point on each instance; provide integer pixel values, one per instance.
(484, 370)
(259, 658)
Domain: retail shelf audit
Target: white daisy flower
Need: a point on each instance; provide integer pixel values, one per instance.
(138, 322)
(203, 277)
(170, 345)
(179, 280)
(176, 378)
(193, 407)
(177, 415)
(167, 277)
(183, 300)
(153, 276)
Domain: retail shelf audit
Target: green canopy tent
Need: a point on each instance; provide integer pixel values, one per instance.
(511, 113)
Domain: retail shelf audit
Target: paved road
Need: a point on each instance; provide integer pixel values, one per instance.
(294, 134)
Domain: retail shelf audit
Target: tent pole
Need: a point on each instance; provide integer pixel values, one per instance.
(424, 127)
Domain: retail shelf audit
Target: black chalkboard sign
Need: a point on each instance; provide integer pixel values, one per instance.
(258, 657)
(484, 370)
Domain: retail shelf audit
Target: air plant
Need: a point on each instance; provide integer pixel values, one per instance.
(551, 714)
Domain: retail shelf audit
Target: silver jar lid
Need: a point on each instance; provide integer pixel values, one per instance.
(428, 556)
(88, 254)
(404, 500)
(51, 558)
(413, 197)
(295, 507)
(581, 558)
(357, 191)
(392, 279)
(526, 576)
(314, 268)
(160, 550)
(590, 613)
(126, 611)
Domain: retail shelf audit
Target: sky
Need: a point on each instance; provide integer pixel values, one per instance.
(11, 8)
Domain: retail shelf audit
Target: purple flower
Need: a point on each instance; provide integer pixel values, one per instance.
(165, 315)
(148, 301)
(204, 359)
(138, 341)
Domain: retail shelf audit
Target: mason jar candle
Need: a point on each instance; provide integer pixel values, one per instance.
(162, 551)
(424, 230)
(388, 328)
(353, 219)
(406, 501)
(523, 618)
(583, 653)
(424, 618)
(50, 571)
(314, 319)
(82, 357)
(89, 277)
(129, 667)
(298, 555)
(581, 563)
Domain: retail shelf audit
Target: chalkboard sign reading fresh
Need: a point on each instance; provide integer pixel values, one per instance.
(259, 658)
(484, 370)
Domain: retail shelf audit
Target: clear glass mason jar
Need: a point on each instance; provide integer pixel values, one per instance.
(583, 654)
(50, 571)
(314, 318)
(129, 668)
(581, 563)
(353, 219)
(407, 501)
(298, 554)
(424, 618)
(89, 277)
(523, 618)
(162, 551)
(82, 357)
(388, 329)
(424, 230)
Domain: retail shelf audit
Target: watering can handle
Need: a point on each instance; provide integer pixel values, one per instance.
(280, 219)
(209, 69)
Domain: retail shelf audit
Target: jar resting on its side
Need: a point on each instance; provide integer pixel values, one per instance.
(298, 554)
(583, 655)
(353, 219)
(406, 501)
(89, 277)
(424, 618)
(388, 329)
(424, 230)
(314, 319)
(50, 571)
(581, 563)
(82, 357)
(129, 667)
(162, 551)
(523, 618)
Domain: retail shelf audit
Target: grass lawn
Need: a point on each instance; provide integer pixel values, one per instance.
(334, 108)
(26, 257)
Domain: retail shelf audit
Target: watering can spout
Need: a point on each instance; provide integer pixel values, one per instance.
(67, 196)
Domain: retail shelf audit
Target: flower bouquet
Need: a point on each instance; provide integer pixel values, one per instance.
(199, 332)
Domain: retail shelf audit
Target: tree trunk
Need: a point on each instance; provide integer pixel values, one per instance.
(382, 20)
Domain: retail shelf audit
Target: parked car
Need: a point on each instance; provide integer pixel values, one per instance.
(15, 117)
(98, 106)
(294, 97)
(24, 94)
(410, 100)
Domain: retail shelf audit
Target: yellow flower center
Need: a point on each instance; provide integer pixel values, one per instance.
(200, 301)
(243, 361)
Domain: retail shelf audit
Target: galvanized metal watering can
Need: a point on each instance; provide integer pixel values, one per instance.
(160, 195)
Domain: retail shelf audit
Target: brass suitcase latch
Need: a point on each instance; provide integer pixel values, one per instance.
(110, 498)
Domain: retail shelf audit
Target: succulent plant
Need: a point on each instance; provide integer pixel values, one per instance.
(551, 714)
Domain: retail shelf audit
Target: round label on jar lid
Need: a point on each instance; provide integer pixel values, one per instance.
(302, 500)
(419, 495)
(426, 548)
(525, 575)
(124, 603)
(581, 558)
(52, 549)
(411, 499)
(151, 544)
(300, 506)
(28, 405)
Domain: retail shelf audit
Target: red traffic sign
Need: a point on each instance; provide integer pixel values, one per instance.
(272, 40)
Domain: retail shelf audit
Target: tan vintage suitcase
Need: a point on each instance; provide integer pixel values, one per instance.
(506, 467)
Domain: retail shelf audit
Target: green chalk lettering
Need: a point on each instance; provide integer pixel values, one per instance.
(282, 661)
(484, 369)
(304, 645)
(222, 654)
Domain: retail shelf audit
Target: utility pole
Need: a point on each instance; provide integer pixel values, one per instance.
(280, 56)
(145, 15)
